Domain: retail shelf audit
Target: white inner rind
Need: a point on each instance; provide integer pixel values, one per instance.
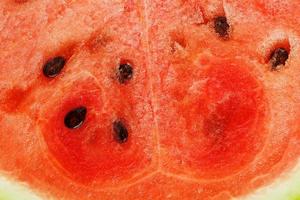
(11, 190)
(284, 188)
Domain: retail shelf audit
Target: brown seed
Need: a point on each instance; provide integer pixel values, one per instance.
(221, 26)
(75, 117)
(120, 131)
(53, 66)
(124, 73)
(278, 57)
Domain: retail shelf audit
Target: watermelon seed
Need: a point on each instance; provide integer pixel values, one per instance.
(221, 26)
(278, 57)
(125, 72)
(53, 66)
(75, 117)
(121, 133)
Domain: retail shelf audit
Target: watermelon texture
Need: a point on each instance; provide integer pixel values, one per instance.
(150, 99)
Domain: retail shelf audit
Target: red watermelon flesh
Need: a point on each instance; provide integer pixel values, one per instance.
(207, 115)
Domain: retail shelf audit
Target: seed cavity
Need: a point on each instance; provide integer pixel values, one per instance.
(221, 26)
(54, 66)
(125, 72)
(75, 118)
(120, 131)
(178, 42)
(278, 57)
(98, 41)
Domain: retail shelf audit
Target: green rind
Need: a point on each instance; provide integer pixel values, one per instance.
(286, 188)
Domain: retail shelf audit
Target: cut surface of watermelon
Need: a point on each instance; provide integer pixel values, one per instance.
(149, 99)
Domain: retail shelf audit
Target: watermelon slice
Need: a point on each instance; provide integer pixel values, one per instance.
(132, 99)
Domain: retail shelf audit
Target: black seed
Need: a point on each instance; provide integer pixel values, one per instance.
(53, 66)
(121, 133)
(125, 72)
(75, 117)
(278, 57)
(221, 26)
